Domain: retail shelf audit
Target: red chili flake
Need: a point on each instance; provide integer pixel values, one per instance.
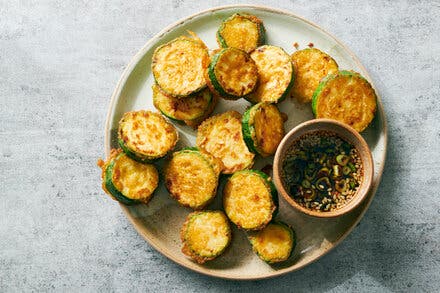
(100, 163)
(296, 45)
(310, 45)
(267, 169)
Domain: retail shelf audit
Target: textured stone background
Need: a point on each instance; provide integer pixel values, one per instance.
(59, 63)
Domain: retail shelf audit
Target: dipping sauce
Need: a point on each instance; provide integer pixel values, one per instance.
(321, 171)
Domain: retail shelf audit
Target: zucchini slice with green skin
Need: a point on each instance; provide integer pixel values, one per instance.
(274, 243)
(128, 181)
(242, 31)
(178, 66)
(146, 136)
(232, 74)
(205, 235)
(250, 199)
(196, 122)
(263, 128)
(189, 108)
(310, 65)
(276, 74)
(221, 136)
(347, 97)
(191, 178)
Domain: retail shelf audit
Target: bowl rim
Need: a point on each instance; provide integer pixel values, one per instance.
(359, 143)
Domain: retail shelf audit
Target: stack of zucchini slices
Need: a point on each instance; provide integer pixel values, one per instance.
(180, 91)
(128, 174)
(250, 201)
(340, 95)
(245, 67)
(178, 66)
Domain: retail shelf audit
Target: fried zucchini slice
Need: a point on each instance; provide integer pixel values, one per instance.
(216, 164)
(128, 181)
(146, 136)
(189, 108)
(205, 235)
(232, 74)
(192, 178)
(274, 243)
(346, 97)
(242, 31)
(178, 66)
(276, 75)
(196, 122)
(221, 136)
(311, 65)
(250, 199)
(263, 128)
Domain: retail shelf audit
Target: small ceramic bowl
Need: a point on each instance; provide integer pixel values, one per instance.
(346, 133)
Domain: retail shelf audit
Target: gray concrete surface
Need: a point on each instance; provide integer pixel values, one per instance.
(59, 63)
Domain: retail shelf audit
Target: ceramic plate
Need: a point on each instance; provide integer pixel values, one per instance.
(159, 222)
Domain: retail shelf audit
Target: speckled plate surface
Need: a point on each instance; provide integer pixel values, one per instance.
(159, 222)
